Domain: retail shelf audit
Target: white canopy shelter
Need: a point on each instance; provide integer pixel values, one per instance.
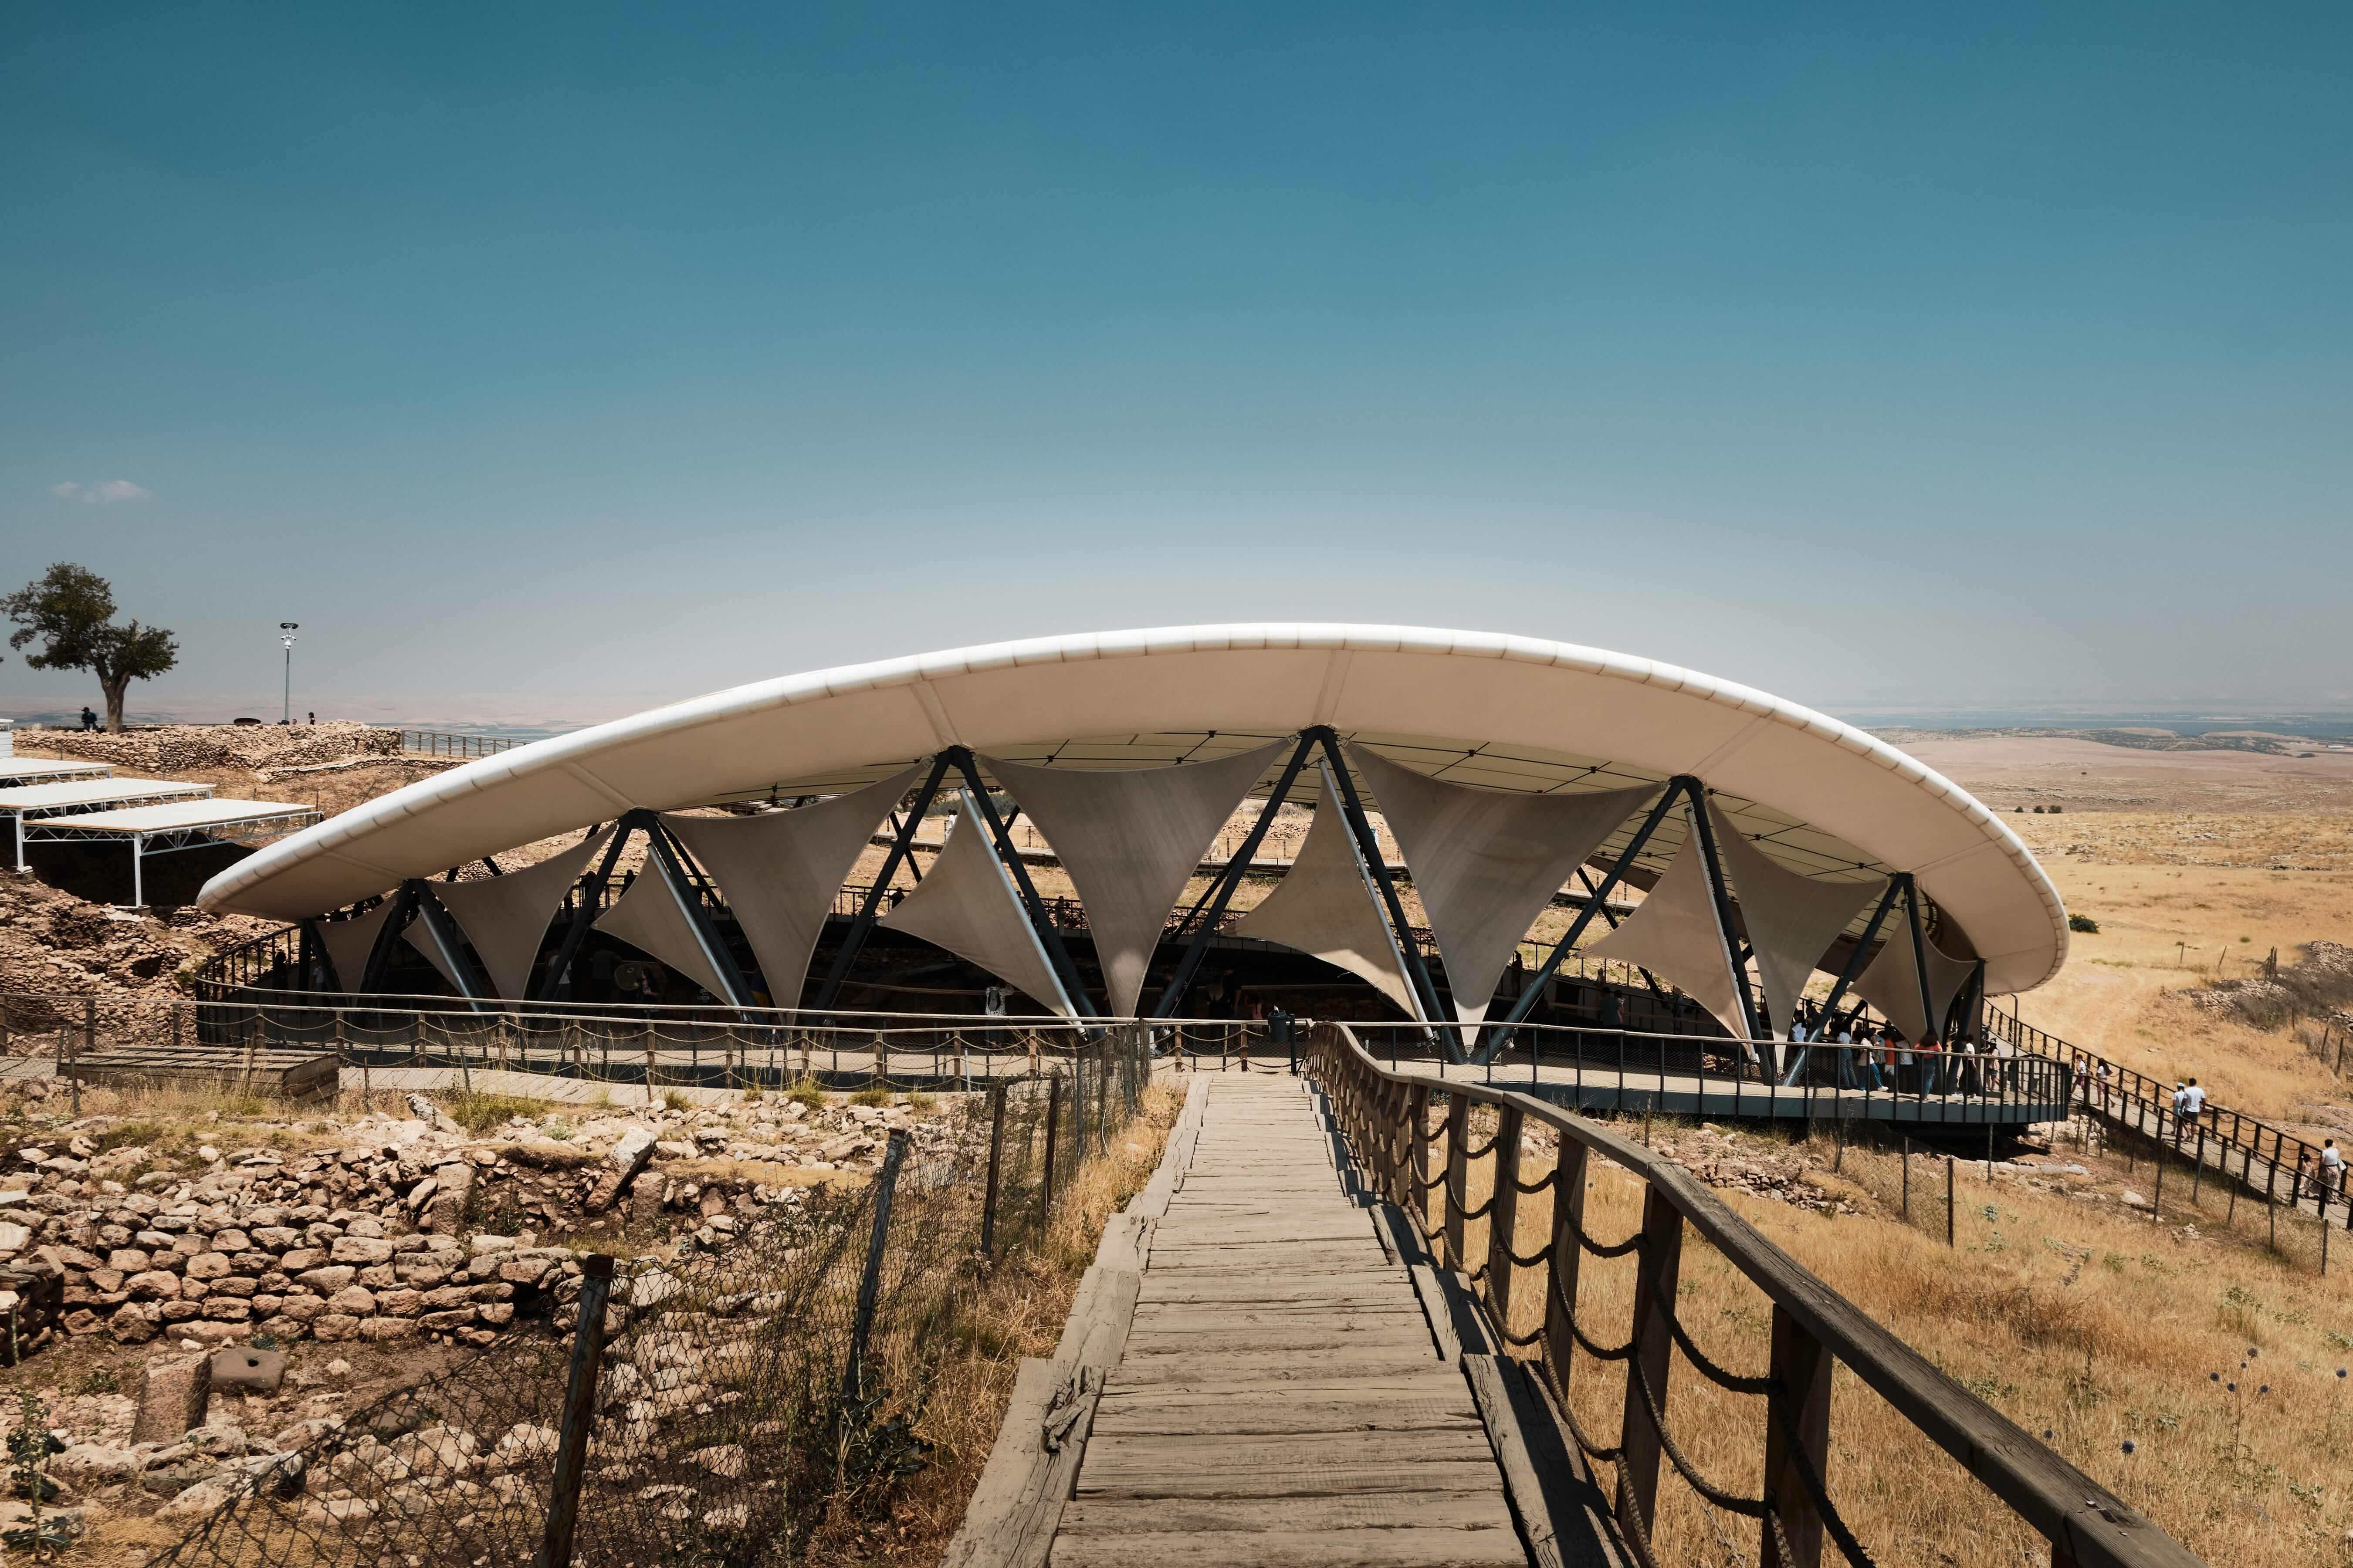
(171, 824)
(1815, 797)
(16, 772)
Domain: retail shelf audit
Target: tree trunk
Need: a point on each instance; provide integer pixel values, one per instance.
(114, 690)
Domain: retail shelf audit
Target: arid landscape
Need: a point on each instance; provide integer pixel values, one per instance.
(2061, 1303)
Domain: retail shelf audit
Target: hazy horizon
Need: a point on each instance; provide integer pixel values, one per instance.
(549, 367)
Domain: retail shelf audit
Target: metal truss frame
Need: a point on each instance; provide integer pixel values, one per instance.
(1201, 921)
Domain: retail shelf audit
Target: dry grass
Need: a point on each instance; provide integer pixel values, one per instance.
(2069, 1316)
(1018, 1311)
(2167, 928)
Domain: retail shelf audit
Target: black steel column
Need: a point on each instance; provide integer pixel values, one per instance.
(404, 904)
(1596, 903)
(901, 853)
(1863, 944)
(591, 894)
(1368, 843)
(671, 864)
(1712, 862)
(1206, 914)
(1049, 937)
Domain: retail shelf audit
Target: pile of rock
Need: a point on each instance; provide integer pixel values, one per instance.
(1721, 1161)
(180, 747)
(54, 944)
(395, 1228)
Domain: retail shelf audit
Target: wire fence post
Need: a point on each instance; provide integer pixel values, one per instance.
(869, 1284)
(90, 1039)
(1907, 1181)
(996, 1155)
(1948, 1200)
(1053, 1120)
(579, 1413)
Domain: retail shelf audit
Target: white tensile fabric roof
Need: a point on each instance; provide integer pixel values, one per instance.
(175, 816)
(96, 792)
(1817, 795)
(25, 770)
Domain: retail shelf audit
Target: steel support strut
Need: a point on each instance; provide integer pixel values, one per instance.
(1928, 1019)
(670, 862)
(455, 952)
(1203, 919)
(1596, 903)
(1049, 937)
(1830, 1021)
(1703, 831)
(592, 894)
(404, 905)
(902, 849)
(1369, 846)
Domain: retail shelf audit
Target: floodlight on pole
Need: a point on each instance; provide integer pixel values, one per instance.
(285, 630)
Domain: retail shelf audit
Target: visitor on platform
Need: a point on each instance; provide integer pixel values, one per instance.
(89, 720)
(2193, 1101)
(2332, 1167)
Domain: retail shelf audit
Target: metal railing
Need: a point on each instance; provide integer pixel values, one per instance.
(2275, 1166)
(440, 743)
(1386, 1116)
(1596, 1069)
(635, 1047)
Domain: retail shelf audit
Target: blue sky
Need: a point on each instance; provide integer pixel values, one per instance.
(551, 363)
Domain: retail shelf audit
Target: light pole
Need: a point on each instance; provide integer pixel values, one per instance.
(285, 630)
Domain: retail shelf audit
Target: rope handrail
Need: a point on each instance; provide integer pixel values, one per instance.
(2086, 1522)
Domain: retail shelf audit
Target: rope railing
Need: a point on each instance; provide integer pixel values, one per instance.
(1385, 1115)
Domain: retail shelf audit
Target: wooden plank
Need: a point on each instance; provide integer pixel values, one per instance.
(1011, 1519)
(1169, 1457)
(1429, 1381)
(1381, 1341)
(1236, 1413)
(1220, 1367)
(1561, 1511)
(1404, 1548)
(1126, 1240)
(1244, 1317)
(1101, 1314)
(1478, 1509)
(1268, 1485)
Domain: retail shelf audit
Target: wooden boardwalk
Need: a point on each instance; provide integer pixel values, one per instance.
(1265, 1367)
(1281, 1399)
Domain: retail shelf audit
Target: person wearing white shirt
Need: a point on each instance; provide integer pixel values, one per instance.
(2193, 1099)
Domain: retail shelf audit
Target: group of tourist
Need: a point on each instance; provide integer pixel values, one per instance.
(1877, 1056)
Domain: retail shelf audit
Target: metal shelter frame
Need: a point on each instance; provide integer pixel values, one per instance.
(58, 826)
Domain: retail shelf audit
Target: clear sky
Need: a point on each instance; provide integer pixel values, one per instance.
(549, 361)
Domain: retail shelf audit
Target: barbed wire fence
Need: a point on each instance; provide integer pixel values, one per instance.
(731, 1407)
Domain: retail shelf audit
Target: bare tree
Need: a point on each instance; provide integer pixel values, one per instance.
(70, 612)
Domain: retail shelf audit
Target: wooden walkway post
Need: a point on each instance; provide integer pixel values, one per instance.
(1568, 1253)
(1659, 1260)
(1502, 1220)
(1417, 1110)
(1458, 1174)
(1804, 1372)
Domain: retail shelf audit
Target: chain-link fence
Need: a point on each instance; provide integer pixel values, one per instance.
(734, 1405)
